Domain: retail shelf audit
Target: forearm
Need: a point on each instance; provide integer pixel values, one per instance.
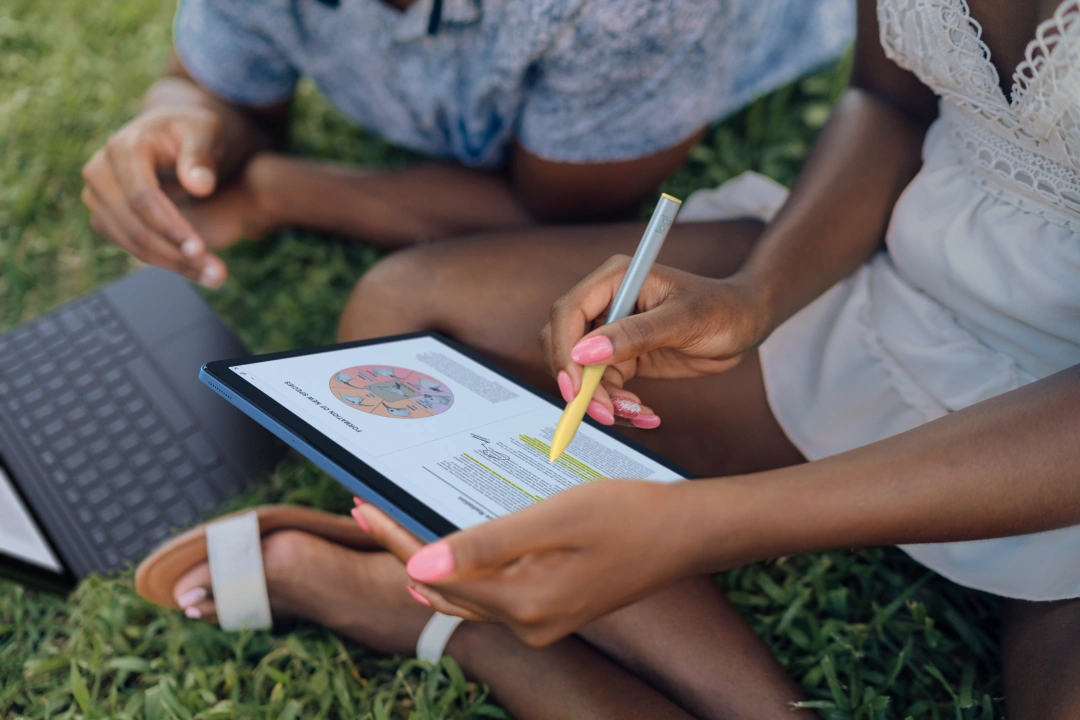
(836, 215)
(387, 208)
(244, 131)
(1006, 466)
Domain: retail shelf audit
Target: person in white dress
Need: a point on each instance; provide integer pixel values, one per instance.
(889, 354)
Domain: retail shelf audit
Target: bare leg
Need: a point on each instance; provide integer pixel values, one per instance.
(1040, 659)
(363, 596)
(493, 293)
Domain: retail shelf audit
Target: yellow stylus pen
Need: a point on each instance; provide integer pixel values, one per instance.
(625, 299)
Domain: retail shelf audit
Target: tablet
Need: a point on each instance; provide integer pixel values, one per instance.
(425, 429)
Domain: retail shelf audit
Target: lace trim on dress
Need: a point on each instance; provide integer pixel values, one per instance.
(1027, 151)
(1019, 176)
(1047, 82)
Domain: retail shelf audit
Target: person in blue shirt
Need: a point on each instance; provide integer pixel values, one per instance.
(532, 112)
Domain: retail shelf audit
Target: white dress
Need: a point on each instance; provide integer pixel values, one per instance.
(978, 292)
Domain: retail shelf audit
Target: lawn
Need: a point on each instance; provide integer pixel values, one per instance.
(869, 634)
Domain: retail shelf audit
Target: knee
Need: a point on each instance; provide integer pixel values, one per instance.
(390, 298)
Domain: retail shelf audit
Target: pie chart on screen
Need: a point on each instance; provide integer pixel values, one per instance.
(393, 392)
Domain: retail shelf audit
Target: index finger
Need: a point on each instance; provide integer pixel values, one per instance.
(135, 170)
(573, 315)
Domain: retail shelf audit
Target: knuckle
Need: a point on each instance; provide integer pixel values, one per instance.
(142, 201)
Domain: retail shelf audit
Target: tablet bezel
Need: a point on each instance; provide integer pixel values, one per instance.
(342, 459)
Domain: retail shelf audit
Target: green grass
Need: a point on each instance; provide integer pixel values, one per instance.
(869, 634)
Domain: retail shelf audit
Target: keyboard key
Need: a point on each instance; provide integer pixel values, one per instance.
(140, 459)
(123, 392)
(111, 463)
(64, 443)
(183, 471)
(121, 480)
(88, 430)
(170, 455)
(99, 536)
(135, 548)
(118, 426)
(75, 461)
(86, 515)
(40, 414)
(201, 450)
(146, 423)
(95, 396)
(157, 533)
(98, 495)
(46, 327)
(109, 513)
(135, 407)
(113, 376)
(53, 428)
(99, 446)
(87, 477)
(135, 497)
(48, 458)
(33, 397)
(55, 384)
(111, 557)
(129, 443)
(60, 477)
(179, 513)
(122, 530)
(165, 494)
(47, 369)
(152, 476)
(77, 415)
(73, 320)
(159, 437)
(147, 516)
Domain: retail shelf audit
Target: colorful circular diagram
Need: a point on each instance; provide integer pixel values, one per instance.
(391, 391)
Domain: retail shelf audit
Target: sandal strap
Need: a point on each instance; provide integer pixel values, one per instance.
(234, 551)
(435, 635)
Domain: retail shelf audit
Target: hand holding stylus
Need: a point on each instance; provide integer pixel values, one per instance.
(684, 326)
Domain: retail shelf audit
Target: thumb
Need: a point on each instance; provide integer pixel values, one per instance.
(196, 165)
(482, 550)
(626, 339)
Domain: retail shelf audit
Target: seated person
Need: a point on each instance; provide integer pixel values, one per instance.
(538, 111)
(893, 359)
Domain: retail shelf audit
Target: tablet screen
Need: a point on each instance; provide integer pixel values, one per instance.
(461, 438)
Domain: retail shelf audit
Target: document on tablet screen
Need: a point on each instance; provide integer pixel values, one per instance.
(459, 437)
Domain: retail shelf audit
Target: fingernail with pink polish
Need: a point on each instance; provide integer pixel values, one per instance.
(357, 501)
(193, 612)
(625, 407)
(600, 414)
(191, 597)
(417, 596)
(211, 277)
(360, 520)
(595, 349)
(191, 247)
(431, 563)
(646, 422)
(566, 386)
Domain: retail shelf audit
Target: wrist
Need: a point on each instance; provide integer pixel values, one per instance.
(264, 176)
